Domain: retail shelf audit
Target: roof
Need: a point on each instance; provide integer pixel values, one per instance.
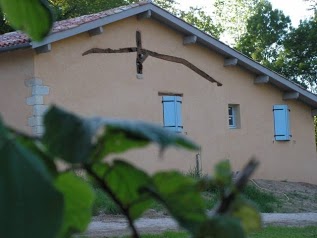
(67, 28)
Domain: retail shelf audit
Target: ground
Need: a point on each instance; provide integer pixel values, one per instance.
(294, 198)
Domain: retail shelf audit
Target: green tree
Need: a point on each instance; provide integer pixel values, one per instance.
(232, 16)
(200, 19)
(266, 32)
(299, 61)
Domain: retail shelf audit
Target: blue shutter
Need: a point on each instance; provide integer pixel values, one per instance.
(179, 121)
(281, 123)
(172, 113)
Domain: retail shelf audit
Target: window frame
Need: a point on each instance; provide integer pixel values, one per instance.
(235, 116)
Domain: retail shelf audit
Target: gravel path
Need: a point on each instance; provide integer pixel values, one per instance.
(116, 225)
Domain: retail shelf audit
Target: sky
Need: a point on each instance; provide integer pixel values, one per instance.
(296, 9)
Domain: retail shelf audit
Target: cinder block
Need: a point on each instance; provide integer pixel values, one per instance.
(39, 110)
(35, 121)
(34, 100)
(32, 82)
(38, 130)
(40, 90)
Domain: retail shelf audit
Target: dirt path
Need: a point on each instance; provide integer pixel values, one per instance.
(117, 226)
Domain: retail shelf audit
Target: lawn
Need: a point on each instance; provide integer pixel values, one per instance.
(269, 232)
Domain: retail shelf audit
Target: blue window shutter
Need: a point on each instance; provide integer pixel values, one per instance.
(169, 112)
(179, 121)
(172, 113)
(281, 123)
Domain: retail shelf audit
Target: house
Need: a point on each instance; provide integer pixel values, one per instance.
(156, 67)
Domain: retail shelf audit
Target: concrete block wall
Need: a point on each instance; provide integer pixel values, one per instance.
(36, 100)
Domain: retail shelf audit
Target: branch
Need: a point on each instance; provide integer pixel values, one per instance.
(183, 62)
(147, 53)
(103, 184)
(109, 51)
(240, 183)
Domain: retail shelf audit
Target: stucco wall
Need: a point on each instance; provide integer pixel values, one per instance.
(106, 85)
(15, 67)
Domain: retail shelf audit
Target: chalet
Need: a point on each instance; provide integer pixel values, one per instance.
(141, 62)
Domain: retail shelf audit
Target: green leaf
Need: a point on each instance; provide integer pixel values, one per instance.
(79, 199)
(29, 203)
(126, 182)
(223, 173)
(36, 147)
(97, 138)
(247, 213)
(31, 16)
(220, 227)
(180, 194)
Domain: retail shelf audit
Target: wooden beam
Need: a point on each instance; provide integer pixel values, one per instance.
(95, 31)
(43, 49)
(231, 62)
(290, 95)
(189, 40)
(314, 112)
(145, 15)
(261, 79)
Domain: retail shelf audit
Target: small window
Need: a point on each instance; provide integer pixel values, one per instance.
(234, 116)
(172, 113)
(281, 123)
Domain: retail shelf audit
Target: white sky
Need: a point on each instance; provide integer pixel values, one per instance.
(296, 9)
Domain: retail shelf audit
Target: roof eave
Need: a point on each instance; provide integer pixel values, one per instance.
(227, 51)
(15, 47)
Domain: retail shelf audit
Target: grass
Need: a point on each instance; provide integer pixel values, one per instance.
(103, 204)
(287, 232)
(268, 232)
(265, 201)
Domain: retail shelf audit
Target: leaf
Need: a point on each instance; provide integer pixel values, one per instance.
(181, 197)
(30, 205)
(35, 146)
(247, 213)
(126, 182)
(96, 138)
(223, 173)
(31, 16)
(220, 227)
(79, 199)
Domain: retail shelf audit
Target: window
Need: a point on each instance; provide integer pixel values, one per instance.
(281, 123)
(172, 113)
(234, 116)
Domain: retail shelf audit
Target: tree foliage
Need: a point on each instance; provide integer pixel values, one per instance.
(266, 31)
(300, 56)
(231, 17)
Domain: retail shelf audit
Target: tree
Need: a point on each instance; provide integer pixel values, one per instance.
(200, 19)
(232, 16)
(300, 55)
(65, 9)
(266, 32)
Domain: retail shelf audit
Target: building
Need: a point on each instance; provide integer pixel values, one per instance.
(229, 104)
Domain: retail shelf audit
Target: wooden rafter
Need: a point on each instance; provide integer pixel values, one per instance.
(142, 55)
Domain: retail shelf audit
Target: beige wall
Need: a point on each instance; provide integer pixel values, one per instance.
(15, 67)
(106, 85)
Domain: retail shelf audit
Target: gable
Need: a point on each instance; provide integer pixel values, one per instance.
(92, 24)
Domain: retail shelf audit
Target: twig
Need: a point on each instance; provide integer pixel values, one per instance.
(240, 183)
(103, 184)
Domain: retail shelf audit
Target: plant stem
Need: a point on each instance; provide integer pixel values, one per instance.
(240, 183)
(103, 184)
